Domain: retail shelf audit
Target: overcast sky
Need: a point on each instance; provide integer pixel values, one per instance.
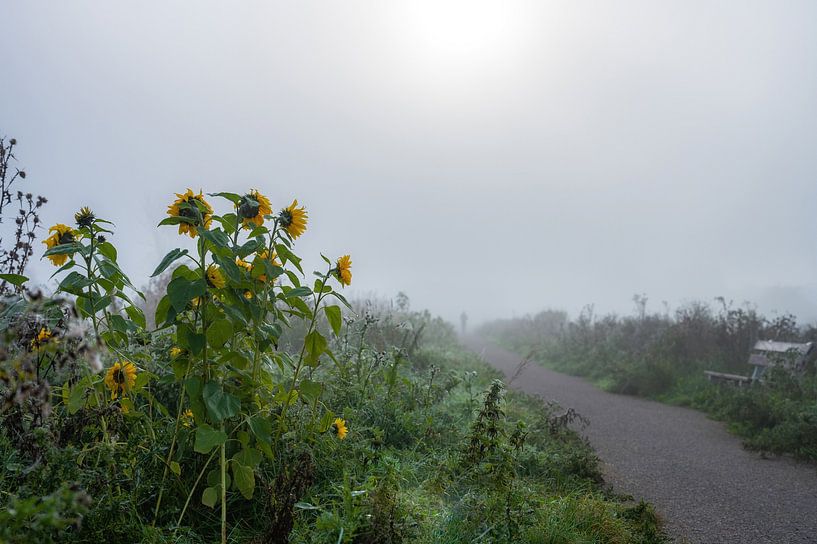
(492, 157)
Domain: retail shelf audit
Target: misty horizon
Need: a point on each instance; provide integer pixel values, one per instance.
(497, 159)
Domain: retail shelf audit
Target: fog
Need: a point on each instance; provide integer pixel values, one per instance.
(494, 158)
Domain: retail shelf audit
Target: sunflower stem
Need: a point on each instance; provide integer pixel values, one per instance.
(223, 455)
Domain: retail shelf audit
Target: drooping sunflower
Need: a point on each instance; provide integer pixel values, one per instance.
(252, 208)
(294, 219)
(343, 270)
(120, 378)
(84, 217)
(187, 205)
(215, 278)
(41, 339)
(258, 263)
(62, 234)
(339, 428)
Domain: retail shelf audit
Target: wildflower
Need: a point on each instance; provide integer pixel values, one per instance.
(343, 270)
(247, 294)
(258, 263)
(41, 339)
(120, 378)
(175, 351)
(62, 234)
(293, 219)
(189, 205)
(187, 418)
(84, 217)
(215, 278)
(339, 428)
(253, 207)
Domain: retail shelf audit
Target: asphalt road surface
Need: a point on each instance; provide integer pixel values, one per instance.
(705, 486)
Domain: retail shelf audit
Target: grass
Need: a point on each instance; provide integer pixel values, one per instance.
(403, 474)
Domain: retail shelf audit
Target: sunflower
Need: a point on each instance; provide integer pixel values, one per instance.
(62, 234)
(189, 205)
(121, 377)
(84, 217)
(339, 428)
(293, 219)
(241, 263)
(253, 207)
(215, 278)
(187, 418)
(41, 339)
(343, 270)
(258, 263)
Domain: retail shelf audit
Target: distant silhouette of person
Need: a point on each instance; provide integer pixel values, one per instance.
(463, 322)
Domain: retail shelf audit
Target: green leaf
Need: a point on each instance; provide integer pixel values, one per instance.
(63, 249)
(220, 405)
(172, 256)
(244, 478)
(219, 332)
(232, 197)
(74, 283)
(310, 391)
(76, 398)
(181, 291)
(107, 249)
(209, 497)
(315, 345)
(262, 428)
(298, 292)
(208, 438)
(335, 318)
(136, 315)
(14, 279)
(176, 219)
(175, 468)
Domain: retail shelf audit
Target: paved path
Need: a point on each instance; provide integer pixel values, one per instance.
(704, 484)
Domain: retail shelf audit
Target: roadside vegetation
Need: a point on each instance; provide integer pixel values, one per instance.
(232, 400)
(663, 356)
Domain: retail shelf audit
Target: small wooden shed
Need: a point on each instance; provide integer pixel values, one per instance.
(765, 354)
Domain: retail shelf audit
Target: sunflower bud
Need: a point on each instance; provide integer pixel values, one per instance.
(84, 217)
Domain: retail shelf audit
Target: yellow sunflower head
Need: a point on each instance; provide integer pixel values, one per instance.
(258, 263)
(293, 219)
(120, 378)
(252, 208)
(187, 418)
(60, 234)
(84, 217)
(191, 206)
(339, 428)
(343, 270)
(41, 339)
(241, 263)
(215, 277)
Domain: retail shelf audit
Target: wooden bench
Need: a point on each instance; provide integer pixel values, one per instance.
(766, 354)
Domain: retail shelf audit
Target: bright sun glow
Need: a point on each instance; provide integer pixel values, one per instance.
(454, 38)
